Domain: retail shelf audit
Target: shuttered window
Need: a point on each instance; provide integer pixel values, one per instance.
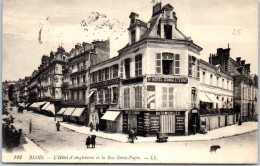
(138, 65)
(170, 97)
(190, 64)
(177, 64)
(121, 69)
(138, 97)
(164, 97)
(167, 97)
(127, 98)
(158, 63)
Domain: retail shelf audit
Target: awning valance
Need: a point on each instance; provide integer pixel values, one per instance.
(204, 98)
(51, 108)
(77, 112)
(46, 105)
(110, 115)
(213, 98)
(69, 111)
(61, 111)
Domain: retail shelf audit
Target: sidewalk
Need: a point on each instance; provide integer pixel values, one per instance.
(213, 134)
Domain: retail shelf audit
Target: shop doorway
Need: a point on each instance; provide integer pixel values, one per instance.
(132, 121)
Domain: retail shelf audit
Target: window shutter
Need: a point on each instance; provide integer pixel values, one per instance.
(158, 63)
(177, 64)
(189, 65)
(198, 75)
(121, 69)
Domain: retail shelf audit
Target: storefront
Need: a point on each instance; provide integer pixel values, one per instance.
(113, 121)
(149, 123)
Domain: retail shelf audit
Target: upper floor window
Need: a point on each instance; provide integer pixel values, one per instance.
(211, 79)
(106, 73)
(84, 63)
(191, 66)
(168, 31)
(84, 78)
(167, 97)
(115, 71)
(203, 77)
(127, 98)
(222, 83)
(138, 97)
(227, 84)
(127, 68)
(132, 37)
(115, 94)
(217, 81)
(138, 65)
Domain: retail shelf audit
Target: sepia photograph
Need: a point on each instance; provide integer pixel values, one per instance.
(130, 82)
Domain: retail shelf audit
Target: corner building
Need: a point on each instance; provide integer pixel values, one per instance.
(159, 76)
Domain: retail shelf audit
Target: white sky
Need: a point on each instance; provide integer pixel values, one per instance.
(210, 23)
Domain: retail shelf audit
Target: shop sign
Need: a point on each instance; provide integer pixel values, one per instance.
(183, 80)
(168, 113)
(194, 111)
(132, 80)
(105, 83)
(102, 106)
(132, 112)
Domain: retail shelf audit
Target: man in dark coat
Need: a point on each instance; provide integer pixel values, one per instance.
(58, 126)
(93, 140)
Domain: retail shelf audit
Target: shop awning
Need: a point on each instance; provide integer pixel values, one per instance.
(61, 111)
(77, 112)
(90, 93)
(32, 105)
(69, 111)
(51, 108)
(46, 105)
(213, 98)
(204, 98)
(110, 115)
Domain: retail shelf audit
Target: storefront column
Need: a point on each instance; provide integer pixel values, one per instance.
(186, 122)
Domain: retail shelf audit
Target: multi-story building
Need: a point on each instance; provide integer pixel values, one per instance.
(77, 77)
(245, 86)
(45, 83)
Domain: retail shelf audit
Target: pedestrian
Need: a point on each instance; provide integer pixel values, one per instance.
(97, 127)
(91, 126)
(30, 126)
(135, 132)
(93, 141)
(88, 141)
(58, 126)
(131, 135)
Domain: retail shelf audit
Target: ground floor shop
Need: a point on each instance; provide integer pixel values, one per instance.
(74, 114)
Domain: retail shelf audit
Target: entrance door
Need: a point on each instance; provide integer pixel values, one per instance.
(167, 123)
(132, 121)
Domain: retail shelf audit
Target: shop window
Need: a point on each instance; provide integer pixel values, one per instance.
(115, 94)
(167, 31)
(138, 65)
(138, 97)
(127, 68)
(126, 98)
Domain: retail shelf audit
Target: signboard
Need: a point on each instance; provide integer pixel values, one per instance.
(182, 80)
(194, 111)
(105, 83)
(132, 112)
(146, 122)
(133, 80)
(155, 123)
(180, 124)
(168, 113)
(125, 123)
(140, 125)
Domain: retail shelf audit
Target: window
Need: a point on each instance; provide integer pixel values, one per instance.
(222, 83)
(167, 63)
(106, 73)
(99, 75)
(193, 98)
(190, 64)
(217, 81)
(211, 79)
(115, 71)
(84, 78)
(132, 37)
(158, 63)
(177, 64)
(78, 66)
(72, 95)
(138, 97)
(102, 74)
(115, 94)
(167, 97)
(198, 69)
(167, 31)
(127, 68)
(138, 65)
(121, 69)
(83, 95)
(126, 98)
(203, 77)
(78, 95)
(95, 97)
(72, 81)
(108, 95)
(227, 84)
(78, 81)
(100, 96)
(84, 63)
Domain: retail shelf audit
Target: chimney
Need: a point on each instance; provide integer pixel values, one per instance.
(238, 60)
(243, 62)
(247, 66)
(133, 16)
(157, 8)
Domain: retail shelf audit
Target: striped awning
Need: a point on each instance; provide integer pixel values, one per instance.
(69, 111)
(61, 111)
(77, 112)
(51, 108)
(204, 98)
(46, 105)
(110, 115)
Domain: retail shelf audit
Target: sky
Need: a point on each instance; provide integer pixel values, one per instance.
(211, 24)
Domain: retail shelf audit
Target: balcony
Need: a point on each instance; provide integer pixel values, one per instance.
(78, 85)
(74, 102)
(81, 68)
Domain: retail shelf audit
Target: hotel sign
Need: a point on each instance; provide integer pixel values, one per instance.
(105, 83)
(182, 80)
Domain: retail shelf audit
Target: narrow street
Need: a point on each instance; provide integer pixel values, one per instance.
(44, 134)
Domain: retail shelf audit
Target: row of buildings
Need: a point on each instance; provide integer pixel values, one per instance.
(157, 82)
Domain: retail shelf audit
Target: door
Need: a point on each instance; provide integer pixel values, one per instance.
(167, 123)
(132, 121)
